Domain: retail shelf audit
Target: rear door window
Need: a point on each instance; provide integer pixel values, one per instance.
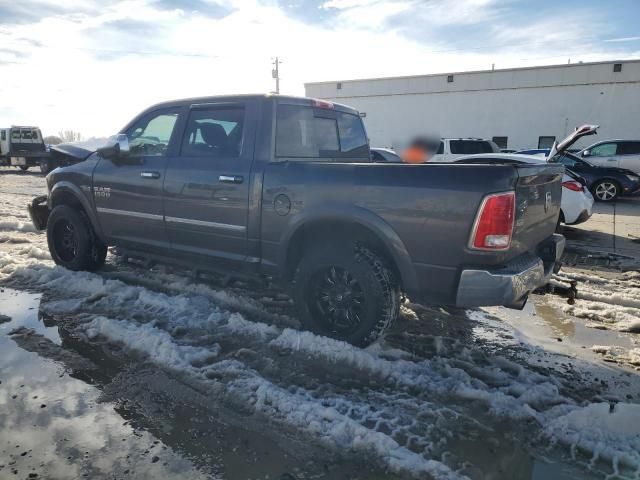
(307, 132)
(470, 147)
(629, 148)
(214, 133)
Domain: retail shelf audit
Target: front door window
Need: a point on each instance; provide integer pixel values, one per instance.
(604, 150)
(151, 135)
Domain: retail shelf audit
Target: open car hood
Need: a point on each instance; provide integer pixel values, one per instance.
(578, 133)
(72, 151)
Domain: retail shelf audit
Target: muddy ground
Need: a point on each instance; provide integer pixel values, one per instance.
(148, 373)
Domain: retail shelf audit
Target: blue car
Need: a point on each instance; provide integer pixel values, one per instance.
(605, 183)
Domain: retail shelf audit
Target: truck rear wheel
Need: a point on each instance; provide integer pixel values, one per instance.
(346, 293)
(72, 242)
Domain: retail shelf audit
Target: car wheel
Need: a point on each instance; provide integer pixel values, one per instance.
(606, 190)
(72, 242)
(346, 292)
(45, 166)
(24, 168)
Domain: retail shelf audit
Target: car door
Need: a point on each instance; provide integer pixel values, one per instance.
(128, 190)
(206, 188)
(604, 154)
(629, 155)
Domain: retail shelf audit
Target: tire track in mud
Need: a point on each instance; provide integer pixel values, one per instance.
(409, 408)
(404, 414)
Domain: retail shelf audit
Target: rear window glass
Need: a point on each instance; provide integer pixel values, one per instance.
(305, 132)
(470, 147)
(629, 148)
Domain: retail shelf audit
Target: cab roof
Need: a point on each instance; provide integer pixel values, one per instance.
(284, 99)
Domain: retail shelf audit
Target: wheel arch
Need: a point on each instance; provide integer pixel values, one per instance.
(359, 224)
(66, 193)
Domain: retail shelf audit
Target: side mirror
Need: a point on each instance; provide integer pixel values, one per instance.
(117, 147)
(586, 153)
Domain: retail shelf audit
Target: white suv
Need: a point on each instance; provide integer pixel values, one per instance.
(452, 148)
(614, 153)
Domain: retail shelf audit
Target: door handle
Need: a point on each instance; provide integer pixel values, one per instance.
(611, 159)
(231, 178)
(150, 174)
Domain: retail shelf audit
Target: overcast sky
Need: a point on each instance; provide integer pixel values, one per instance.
(91, 65)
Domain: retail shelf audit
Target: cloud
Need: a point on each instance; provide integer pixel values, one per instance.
(623, 39)
(91, 66)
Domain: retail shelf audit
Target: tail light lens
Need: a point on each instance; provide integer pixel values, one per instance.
(493, 226)
(572, 185)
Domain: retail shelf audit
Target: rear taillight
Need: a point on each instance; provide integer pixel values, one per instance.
(572, 185)
(493, 227)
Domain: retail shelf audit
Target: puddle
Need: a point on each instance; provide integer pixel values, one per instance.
(67, 411)
(22, 307)
(54, 426)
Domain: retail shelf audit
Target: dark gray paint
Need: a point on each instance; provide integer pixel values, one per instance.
(423, 214)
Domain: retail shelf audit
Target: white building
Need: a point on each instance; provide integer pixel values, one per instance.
(518, 108)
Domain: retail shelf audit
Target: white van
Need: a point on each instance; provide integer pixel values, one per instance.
(21, 147)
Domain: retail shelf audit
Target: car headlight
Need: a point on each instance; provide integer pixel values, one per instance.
(633, 178)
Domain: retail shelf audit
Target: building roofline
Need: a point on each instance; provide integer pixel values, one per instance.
(472, 72)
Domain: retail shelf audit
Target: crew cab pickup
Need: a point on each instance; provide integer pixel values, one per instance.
(284, 188)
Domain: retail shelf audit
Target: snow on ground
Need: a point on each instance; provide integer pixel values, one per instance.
(607, 301)
(398, 409)
(615, 302)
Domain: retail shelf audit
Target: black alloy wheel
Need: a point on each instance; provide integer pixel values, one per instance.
(337, 297)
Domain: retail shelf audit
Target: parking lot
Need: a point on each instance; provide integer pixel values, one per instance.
(147, 373)
(614, 228)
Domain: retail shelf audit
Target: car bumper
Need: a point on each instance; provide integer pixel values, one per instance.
(631, 191)
(511, 284)
(582, 217)
(39, 212)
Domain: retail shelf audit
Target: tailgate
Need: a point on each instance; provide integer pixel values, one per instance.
(538, 197)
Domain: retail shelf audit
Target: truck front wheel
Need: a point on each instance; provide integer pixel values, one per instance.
(347, 293)
(72, 242)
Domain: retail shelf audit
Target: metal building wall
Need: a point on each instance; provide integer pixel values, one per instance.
(521, 104)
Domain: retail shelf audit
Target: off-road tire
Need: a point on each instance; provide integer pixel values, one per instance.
(87, 253)
(380, 290)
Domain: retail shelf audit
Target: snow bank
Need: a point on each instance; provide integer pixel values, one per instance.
(35, 252)
(16, 225)
(608, 431)
(156, 344)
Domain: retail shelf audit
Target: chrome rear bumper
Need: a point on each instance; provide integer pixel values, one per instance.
(510, 285)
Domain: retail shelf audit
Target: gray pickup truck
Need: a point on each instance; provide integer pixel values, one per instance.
(284, 188)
